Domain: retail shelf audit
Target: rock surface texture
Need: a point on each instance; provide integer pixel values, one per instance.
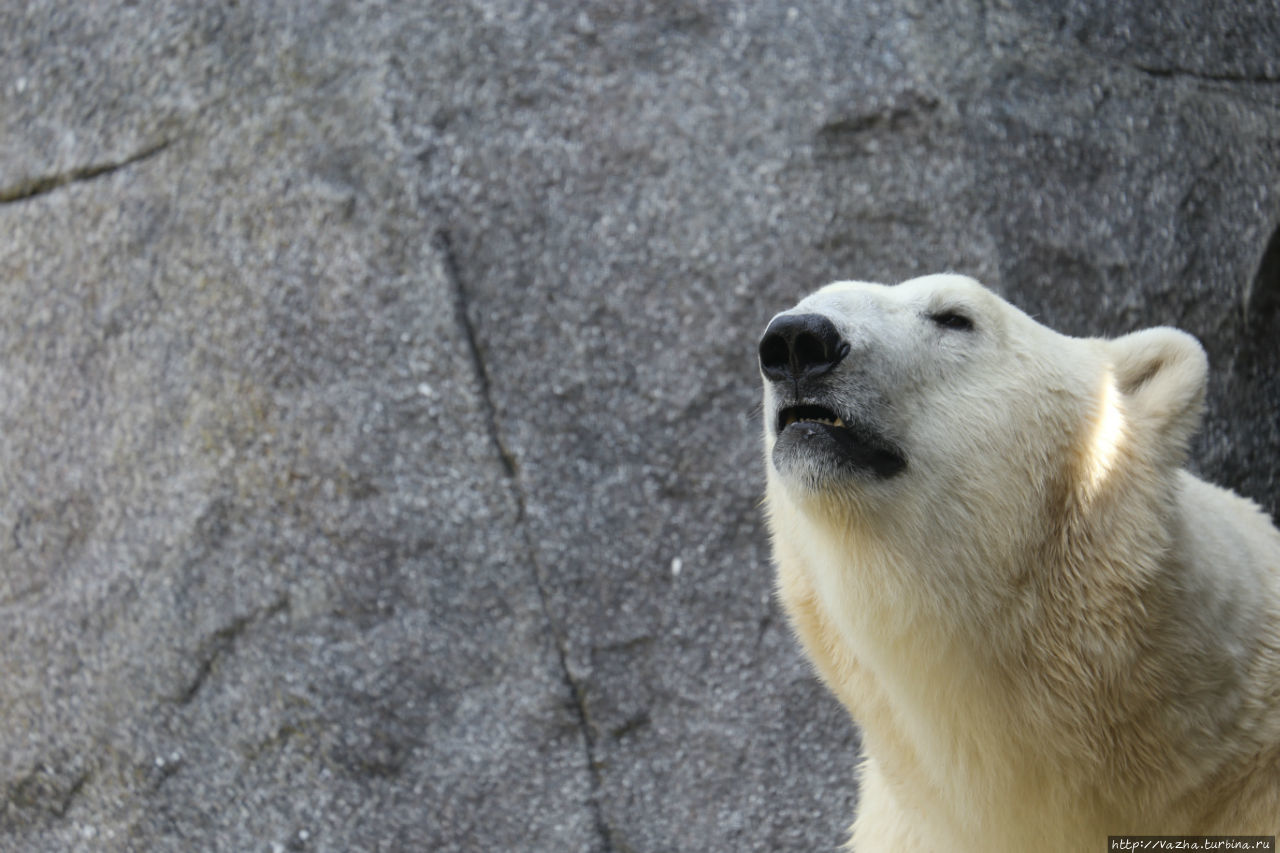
(379, 462)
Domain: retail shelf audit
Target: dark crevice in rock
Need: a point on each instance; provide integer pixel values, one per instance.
(631, 725)
(48, 788)
(1263, 298)
(765, 623)
(444, 242)
(1163, 71)
(893, 118)
(217, 645)
(38, 186)
(579, 707)
(77, 785)
(575, 688)
(843, 134)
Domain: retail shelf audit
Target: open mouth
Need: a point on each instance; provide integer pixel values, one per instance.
(808, 414)
(809, 429)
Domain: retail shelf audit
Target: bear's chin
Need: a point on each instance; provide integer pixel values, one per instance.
(820, 453)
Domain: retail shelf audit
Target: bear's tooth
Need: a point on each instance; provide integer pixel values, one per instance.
(837, 422)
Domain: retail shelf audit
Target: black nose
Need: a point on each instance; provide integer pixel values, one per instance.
(799, 345)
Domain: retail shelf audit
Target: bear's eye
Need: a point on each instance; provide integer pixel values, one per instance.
(952, 320)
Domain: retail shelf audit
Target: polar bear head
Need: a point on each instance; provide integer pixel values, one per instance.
(936, 419)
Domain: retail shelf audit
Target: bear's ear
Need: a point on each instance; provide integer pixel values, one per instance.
(1162, 374)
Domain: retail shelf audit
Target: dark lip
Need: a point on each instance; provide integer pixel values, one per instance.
(858, 444)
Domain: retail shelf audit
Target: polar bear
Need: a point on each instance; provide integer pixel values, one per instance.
(1048, 631)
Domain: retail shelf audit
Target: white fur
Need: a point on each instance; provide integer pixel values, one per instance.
(1048, 631)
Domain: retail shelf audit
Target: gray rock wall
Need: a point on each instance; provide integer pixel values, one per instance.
(378, 455)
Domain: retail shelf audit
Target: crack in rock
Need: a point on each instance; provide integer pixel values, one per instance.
(49, 788)
(575, 688)
(1262, 298)
(221, 642)
(1191, 74)
(30, 188)
(462, 303)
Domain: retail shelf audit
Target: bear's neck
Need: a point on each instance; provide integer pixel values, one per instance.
(1048, 677)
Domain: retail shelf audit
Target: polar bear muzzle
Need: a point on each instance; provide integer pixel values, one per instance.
(814, 439)
(819, 441)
